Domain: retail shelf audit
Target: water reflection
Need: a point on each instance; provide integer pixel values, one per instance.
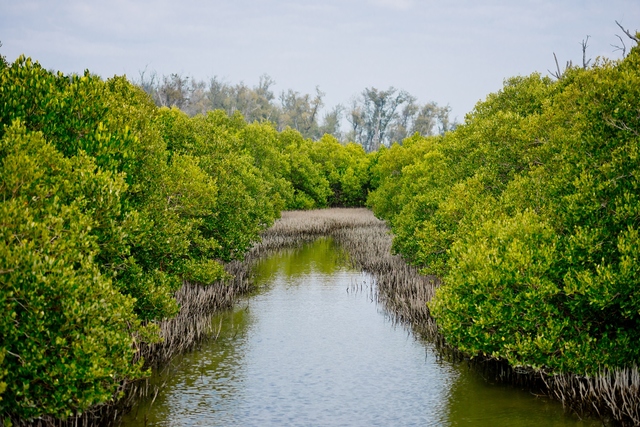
(475, 401)
(203, 381)
(305, 352)
(320, 257)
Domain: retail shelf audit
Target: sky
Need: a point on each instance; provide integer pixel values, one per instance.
(452, 52)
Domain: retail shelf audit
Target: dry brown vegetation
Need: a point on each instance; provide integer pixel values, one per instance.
(613, 394)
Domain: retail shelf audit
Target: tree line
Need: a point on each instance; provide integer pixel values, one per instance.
(376, 118)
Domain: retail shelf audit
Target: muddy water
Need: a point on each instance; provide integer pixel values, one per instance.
(313, 349)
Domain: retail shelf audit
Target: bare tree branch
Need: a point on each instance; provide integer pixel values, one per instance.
(623, 48)
(628, 33)
(585, 63)
(619, 124)
(558, 74)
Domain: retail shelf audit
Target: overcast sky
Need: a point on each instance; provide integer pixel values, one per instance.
(451, 52)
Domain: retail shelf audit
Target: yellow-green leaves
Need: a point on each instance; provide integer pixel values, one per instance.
(530, 213)
(66, 332)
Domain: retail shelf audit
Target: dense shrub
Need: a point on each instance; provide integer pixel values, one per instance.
(529, 212)
(345, 167)
(66, 332)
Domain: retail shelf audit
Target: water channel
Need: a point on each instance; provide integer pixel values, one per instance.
(312, 348)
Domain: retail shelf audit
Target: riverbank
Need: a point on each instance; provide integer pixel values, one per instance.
(399, 287)
(612, 395)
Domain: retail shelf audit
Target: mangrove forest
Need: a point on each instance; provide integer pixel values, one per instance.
(511, 241)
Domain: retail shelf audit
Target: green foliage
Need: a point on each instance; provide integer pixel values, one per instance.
(345, 167)
(100, 234)
(261, 141)
(501, 295)
(310, 188)
(66, 333)
(73, 113)
(530, 214)
(250, 201)
(412, 183)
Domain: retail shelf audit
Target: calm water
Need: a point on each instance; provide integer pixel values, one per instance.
(309, 351)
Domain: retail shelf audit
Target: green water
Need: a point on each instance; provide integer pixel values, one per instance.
(310, 350)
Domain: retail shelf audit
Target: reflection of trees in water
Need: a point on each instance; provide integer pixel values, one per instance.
(474, 400)
(320, 256)
(210, 375)
(217, 368)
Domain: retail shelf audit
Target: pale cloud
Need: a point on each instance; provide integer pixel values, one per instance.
(395, 4)
(453, 52)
